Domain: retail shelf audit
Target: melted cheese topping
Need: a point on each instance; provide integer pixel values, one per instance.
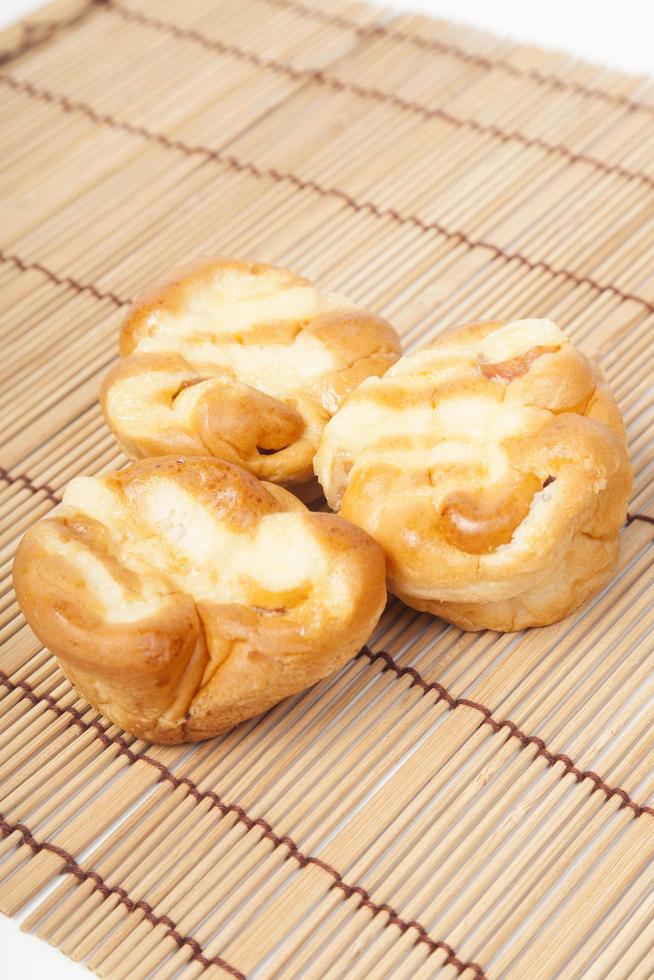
(172, 534)
(441, 427)
(203, 331)
(468, 431)
(516, 338)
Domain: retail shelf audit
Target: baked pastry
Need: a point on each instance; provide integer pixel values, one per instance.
(492, 468)
(241, 361)
(182, 596)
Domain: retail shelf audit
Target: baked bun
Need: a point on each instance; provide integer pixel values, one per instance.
(241, 361)
(492, 468)
(182, 596)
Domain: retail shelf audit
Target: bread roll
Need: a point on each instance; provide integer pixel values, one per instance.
(240, 361)
(182, 596)
(492, 468)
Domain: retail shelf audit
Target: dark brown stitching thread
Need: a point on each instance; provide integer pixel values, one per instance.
(639, 517)
(268, 832)
(378, 95)
(487, 719)
(7, 478)
(468, 57)
(77, 719)
(37, 33)
(245, 166)
(303, 859)
(79, 287)
(72, 867)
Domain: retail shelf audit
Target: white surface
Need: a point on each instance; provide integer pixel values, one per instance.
(26, 958)
(611, 32)
(617, 34)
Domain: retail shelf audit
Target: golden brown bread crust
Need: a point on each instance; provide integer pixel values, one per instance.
(492, 468)
(182, 596)
(241, 361)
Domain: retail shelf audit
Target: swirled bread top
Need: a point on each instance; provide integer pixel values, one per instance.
(475, 460)
(182, 595)
(242, 361)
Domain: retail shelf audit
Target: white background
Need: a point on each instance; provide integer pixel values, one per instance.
(616, 34)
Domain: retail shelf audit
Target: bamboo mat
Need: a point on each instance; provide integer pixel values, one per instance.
(449, 804)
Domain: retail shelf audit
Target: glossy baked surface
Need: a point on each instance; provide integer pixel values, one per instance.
(492, 468)
(241, 361)
(182, 596)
